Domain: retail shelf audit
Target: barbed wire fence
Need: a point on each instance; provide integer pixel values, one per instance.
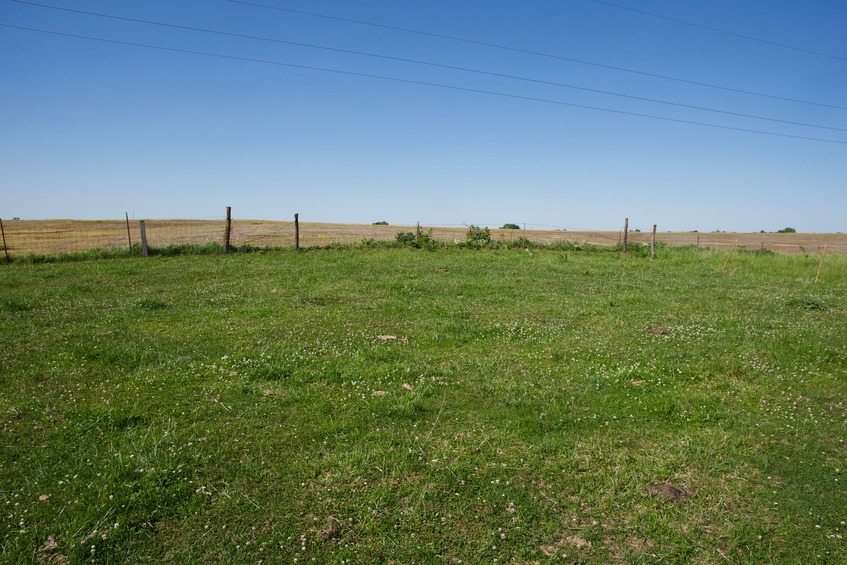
(57, 237)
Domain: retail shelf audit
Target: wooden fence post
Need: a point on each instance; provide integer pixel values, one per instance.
(143, 238)
(5, 248)
(228, 229)
(297, 232)
(625, 232)
(820, 266)
(128, 236)
(653, 243)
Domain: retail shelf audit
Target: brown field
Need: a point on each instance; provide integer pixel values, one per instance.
(49, 237)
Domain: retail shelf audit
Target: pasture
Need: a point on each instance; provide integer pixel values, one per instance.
(378, 405)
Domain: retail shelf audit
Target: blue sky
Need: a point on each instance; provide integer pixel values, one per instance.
(91, 129)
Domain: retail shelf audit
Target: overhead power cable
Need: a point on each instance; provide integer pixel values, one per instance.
(431, 64)
(537, 53)
(723, 31)
(421, 83)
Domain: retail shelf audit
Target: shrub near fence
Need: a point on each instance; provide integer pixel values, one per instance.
(55, 237)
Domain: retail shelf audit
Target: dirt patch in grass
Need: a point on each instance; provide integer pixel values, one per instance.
(673, 493)
(565, 543)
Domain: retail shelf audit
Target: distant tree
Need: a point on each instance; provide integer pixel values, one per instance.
(787, 230)
(16, 218)
(382, 223)
(761, 231)
(510, 227)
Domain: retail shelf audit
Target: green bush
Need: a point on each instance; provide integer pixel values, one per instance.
(382, 223)
(478, 237)
(510, 227)
(761, 251)
(405, 238)
(787, 230)
(520, 243)
(420, 239)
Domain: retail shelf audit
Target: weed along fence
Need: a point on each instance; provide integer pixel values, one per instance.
(55, 237)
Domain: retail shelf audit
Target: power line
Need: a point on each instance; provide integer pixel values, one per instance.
(431, 64)
(718, 30)
(421, 83)
(537, 53)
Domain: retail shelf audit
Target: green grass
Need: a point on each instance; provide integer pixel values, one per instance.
(247, 407)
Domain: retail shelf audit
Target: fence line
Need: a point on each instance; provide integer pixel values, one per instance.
(51, 237)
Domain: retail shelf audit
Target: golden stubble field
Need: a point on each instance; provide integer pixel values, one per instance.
(65, 236)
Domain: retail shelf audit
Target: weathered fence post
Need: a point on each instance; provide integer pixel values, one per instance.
(143, 238)
(653, 243)
(820, 266)
(297, 232)
(228, 229)
(625, 232)
(5, 248)
(128, 236)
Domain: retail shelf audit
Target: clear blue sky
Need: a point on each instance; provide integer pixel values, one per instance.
(91, 129)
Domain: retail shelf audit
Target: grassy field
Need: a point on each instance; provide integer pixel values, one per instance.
(50, 237)
(399, 405)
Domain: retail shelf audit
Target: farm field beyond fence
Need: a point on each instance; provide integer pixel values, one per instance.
(399, 405)
(51, 237)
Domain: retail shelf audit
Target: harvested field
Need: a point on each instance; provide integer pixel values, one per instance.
(49, 237)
